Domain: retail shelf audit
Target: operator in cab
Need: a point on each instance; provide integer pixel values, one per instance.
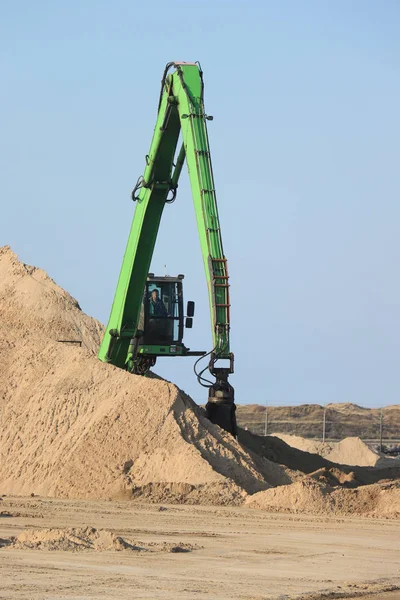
(157, 306)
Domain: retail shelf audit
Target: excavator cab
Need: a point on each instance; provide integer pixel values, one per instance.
(162, 310)
(161, 323)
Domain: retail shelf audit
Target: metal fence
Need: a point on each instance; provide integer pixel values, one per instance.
(325, 423)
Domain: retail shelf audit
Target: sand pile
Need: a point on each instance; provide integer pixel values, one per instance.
(300, 462)
(316, 497)
(334, 477)
(74, 427)
(304, 496)
(72, 539)
(32, 303)
(76, 539)
(306, 444)
(353, 451)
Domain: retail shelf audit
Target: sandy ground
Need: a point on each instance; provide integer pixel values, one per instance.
(73, 427)
(235, 553)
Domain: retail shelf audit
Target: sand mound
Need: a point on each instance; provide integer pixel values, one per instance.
(304, 496)
(74, 427)
(32, 303)
(350, 451)
(86, 538)
(72, 539)
(300, 462)
(377, 500)
(353, 451)
(307, 445)
(335, 477)
(317, 497)
(275, 449)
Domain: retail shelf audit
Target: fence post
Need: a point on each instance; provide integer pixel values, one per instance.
(266, 421)
(381, 431)
(324, 425)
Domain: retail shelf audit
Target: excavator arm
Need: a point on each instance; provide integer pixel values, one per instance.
(181, 115)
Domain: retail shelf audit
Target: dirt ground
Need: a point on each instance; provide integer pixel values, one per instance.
(194, 552)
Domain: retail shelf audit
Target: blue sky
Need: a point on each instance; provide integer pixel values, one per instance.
(305, 145)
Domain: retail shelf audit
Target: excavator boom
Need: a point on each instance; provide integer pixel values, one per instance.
(181, 114)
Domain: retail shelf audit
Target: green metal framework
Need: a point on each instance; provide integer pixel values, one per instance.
(180, 112)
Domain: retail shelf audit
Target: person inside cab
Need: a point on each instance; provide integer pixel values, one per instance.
(157, 306)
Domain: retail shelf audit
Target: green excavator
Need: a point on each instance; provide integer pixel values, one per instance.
(148, 317)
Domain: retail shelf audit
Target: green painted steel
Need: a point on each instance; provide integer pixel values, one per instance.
(156, 350)
(181, 111)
